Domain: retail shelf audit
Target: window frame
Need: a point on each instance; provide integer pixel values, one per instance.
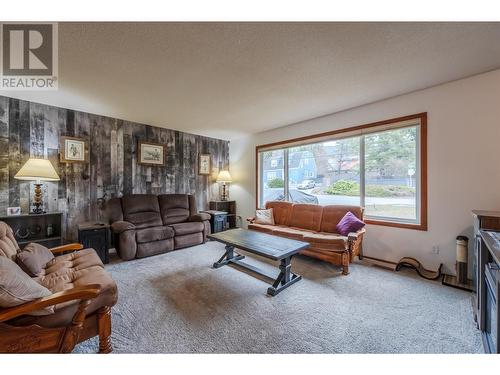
(421, 195)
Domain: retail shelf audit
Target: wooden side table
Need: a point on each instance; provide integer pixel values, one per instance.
(45, 229)
(229, 207)
(218, 220)
(95, 235)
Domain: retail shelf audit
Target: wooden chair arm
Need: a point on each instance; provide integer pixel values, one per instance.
(82, 293)
(354, 236)
(68, 247)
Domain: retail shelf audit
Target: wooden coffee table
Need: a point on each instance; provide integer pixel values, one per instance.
(265, 245)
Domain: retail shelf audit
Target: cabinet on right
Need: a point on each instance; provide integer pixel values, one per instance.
(486, 277)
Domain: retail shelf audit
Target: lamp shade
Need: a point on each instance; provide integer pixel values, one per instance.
(224, 176)
(37, 169)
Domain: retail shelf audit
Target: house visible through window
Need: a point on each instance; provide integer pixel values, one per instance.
(378, 166)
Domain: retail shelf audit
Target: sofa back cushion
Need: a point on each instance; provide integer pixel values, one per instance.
(8, 244)
(17, 288)
(33, 258)
(282, 211)
(306, 216)
(176, 208)
(114, 210)
(142, 210)
(334, 213)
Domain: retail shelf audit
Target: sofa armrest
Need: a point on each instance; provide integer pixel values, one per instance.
(202, 216)
(354, 236)
(250, 219)
(68, 247)
(121, 226)
(83, 293)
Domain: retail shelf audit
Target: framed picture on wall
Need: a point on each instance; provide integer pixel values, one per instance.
(150, 153)
(73, 150)
(204, 164)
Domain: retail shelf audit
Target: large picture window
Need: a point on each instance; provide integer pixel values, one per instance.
(380, 166)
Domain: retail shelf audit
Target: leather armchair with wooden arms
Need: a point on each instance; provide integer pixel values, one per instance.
(82, 302)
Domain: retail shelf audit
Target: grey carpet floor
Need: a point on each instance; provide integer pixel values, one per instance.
(176, 303)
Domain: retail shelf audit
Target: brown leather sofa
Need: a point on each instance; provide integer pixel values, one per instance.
(82, 296)
(144, 224)
(317, 225)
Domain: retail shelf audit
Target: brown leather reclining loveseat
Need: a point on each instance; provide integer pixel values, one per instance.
(317, 225)
(145, 224)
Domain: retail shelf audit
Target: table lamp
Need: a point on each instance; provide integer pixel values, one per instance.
(224, 177)
(37, 170)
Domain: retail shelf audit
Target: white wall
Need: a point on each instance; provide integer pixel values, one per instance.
(463, 163)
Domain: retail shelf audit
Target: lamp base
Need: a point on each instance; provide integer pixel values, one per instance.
(225, 194)
(37, 201)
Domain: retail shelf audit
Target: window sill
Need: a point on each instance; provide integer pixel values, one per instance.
(395, 224)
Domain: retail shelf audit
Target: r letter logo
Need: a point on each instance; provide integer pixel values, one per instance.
(29, 59)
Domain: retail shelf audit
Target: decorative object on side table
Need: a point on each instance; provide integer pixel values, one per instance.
(224, 178)
(73, 150)
(218, 220)
(37, 170)
(95, 235)
(150, 153)
(204, 164)
(13, 211)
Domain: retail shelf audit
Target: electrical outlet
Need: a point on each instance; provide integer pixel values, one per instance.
(435, 249)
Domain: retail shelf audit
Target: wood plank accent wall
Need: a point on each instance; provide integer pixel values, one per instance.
(32, 129)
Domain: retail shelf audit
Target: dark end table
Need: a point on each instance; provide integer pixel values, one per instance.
(95, 235)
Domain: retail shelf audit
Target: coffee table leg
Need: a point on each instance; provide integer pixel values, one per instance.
(285, 277)
(228, 257)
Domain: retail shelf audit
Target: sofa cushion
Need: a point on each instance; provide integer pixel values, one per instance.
(265, 217)
(348, 224)
(188, 240)
(335, 241)
(153, 248)
(67, 278)
(8, 244)
(282, 211)
(306, 216)
(182, 229)
(332, 214)
(142, 210)
(154, 234)
(202, 216)
(17, 288)
(262, 227)
(289, 232)
(33, 258)
(74, 261)
(176, 208)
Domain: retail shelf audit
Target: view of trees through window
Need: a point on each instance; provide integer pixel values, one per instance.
(330, 173)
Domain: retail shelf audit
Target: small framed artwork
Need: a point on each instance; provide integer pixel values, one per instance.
(204, 164)
(74, 150)
(151, 154)
(13, 211)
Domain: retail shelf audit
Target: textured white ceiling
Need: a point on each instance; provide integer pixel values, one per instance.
(226, 80)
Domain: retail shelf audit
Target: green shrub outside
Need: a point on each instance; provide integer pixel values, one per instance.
(351, 188)
(276, 183)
